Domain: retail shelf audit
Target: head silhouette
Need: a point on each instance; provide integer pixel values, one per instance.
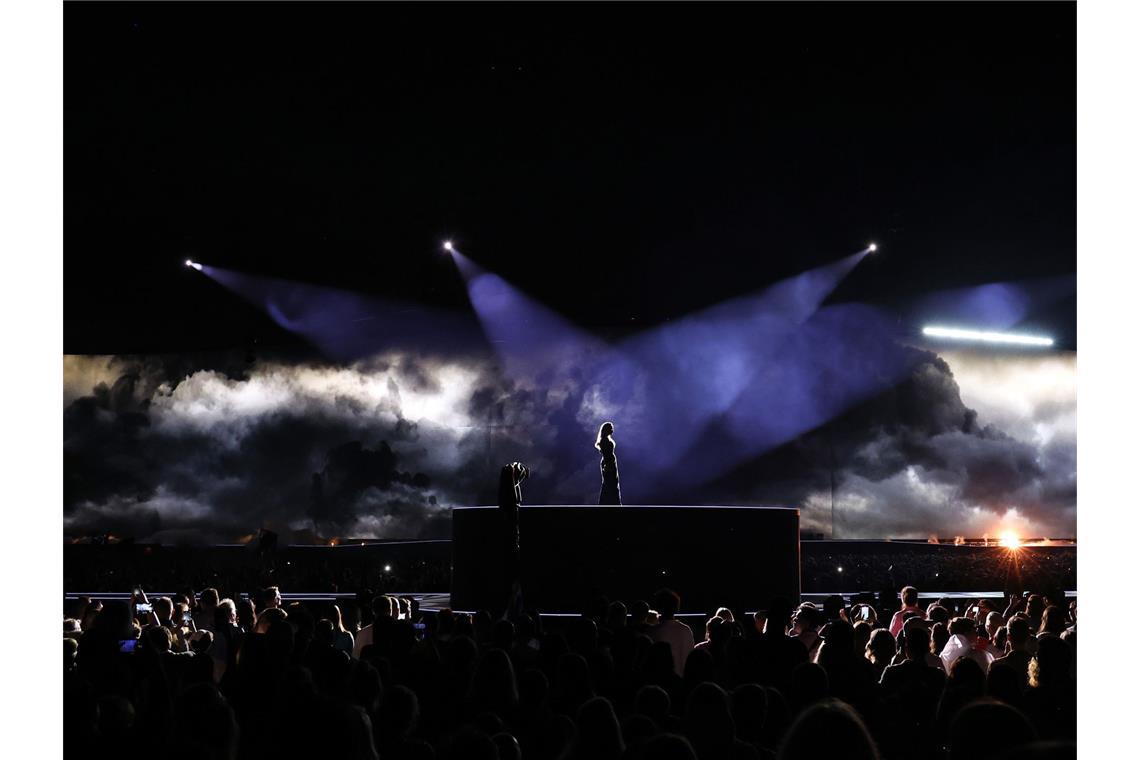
(599, 734)
(828, 729)
(1001, 726)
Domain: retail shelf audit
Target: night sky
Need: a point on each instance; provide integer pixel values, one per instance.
(623, 164)
(638, 193)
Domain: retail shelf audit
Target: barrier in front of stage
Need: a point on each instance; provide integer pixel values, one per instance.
(740, 557)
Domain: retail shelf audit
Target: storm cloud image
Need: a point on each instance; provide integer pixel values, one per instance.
(192, 448)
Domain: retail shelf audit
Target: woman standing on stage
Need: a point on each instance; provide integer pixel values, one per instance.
(611, 491)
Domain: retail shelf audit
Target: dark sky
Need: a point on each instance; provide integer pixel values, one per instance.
(623, 164)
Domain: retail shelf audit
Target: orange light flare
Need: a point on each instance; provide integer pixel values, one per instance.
(1010, 540)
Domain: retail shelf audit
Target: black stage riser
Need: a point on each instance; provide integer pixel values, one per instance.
(740, 557)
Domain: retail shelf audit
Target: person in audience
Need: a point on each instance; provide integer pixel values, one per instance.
(269, 617)
(1005, 684)
(909, 597)
(749, 714)
(599, 733)
(246, 615)
(709, 726)
(1035, 610)
(295, 682)
(639, 616)
(806, 623)
(964, 642)
(381, 619)
(676, 634)
(989, 634)
(759, 621)
(342, 639)
(717, 634)
(270, 598)
(164, 611)
(915, 672)
(1017, 642)
(828, 729)
(1051, 699)
(994, 623)
(965, 683)
(1052, 621)
(936, 613)
(227, 638)
(207, 607)
(863, 631)
(653, 702)
(987, 729)
(864, 613)
(910, 692)
(880, 650)
(850, 676)
(939, 635)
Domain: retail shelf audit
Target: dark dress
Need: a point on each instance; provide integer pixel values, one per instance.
(611, 491)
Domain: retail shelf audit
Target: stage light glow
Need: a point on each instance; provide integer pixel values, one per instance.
(387, 568)
(985, 336)
(193, 265)
(1010, 540)
(447, 246)
(872, 247)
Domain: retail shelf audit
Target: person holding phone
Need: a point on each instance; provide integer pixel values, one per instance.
(142, 609)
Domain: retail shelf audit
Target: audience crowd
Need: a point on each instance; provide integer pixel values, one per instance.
(947, 568)
(202, 675)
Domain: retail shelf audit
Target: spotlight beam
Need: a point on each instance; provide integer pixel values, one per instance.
(193, 265)
(985, 336)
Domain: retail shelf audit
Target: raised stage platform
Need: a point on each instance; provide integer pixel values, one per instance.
(741, 557)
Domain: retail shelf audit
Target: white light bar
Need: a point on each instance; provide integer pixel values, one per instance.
(955, 333)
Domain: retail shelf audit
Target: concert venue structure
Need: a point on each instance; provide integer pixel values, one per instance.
(501, 382)
(749, 555)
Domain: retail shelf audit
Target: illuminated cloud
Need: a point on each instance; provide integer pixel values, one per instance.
(958, 445)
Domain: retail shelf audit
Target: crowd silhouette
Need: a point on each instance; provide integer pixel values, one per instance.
(201, 676)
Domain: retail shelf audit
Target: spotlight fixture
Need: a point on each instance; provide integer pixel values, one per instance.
(447, 246)
(193, 264)
(873, 247)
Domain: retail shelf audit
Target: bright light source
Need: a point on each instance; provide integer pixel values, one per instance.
(1010, 540)
(840, 569)
(984, 336)
(193, 265)
(872, 247)
(447, 245)
(387, 568)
